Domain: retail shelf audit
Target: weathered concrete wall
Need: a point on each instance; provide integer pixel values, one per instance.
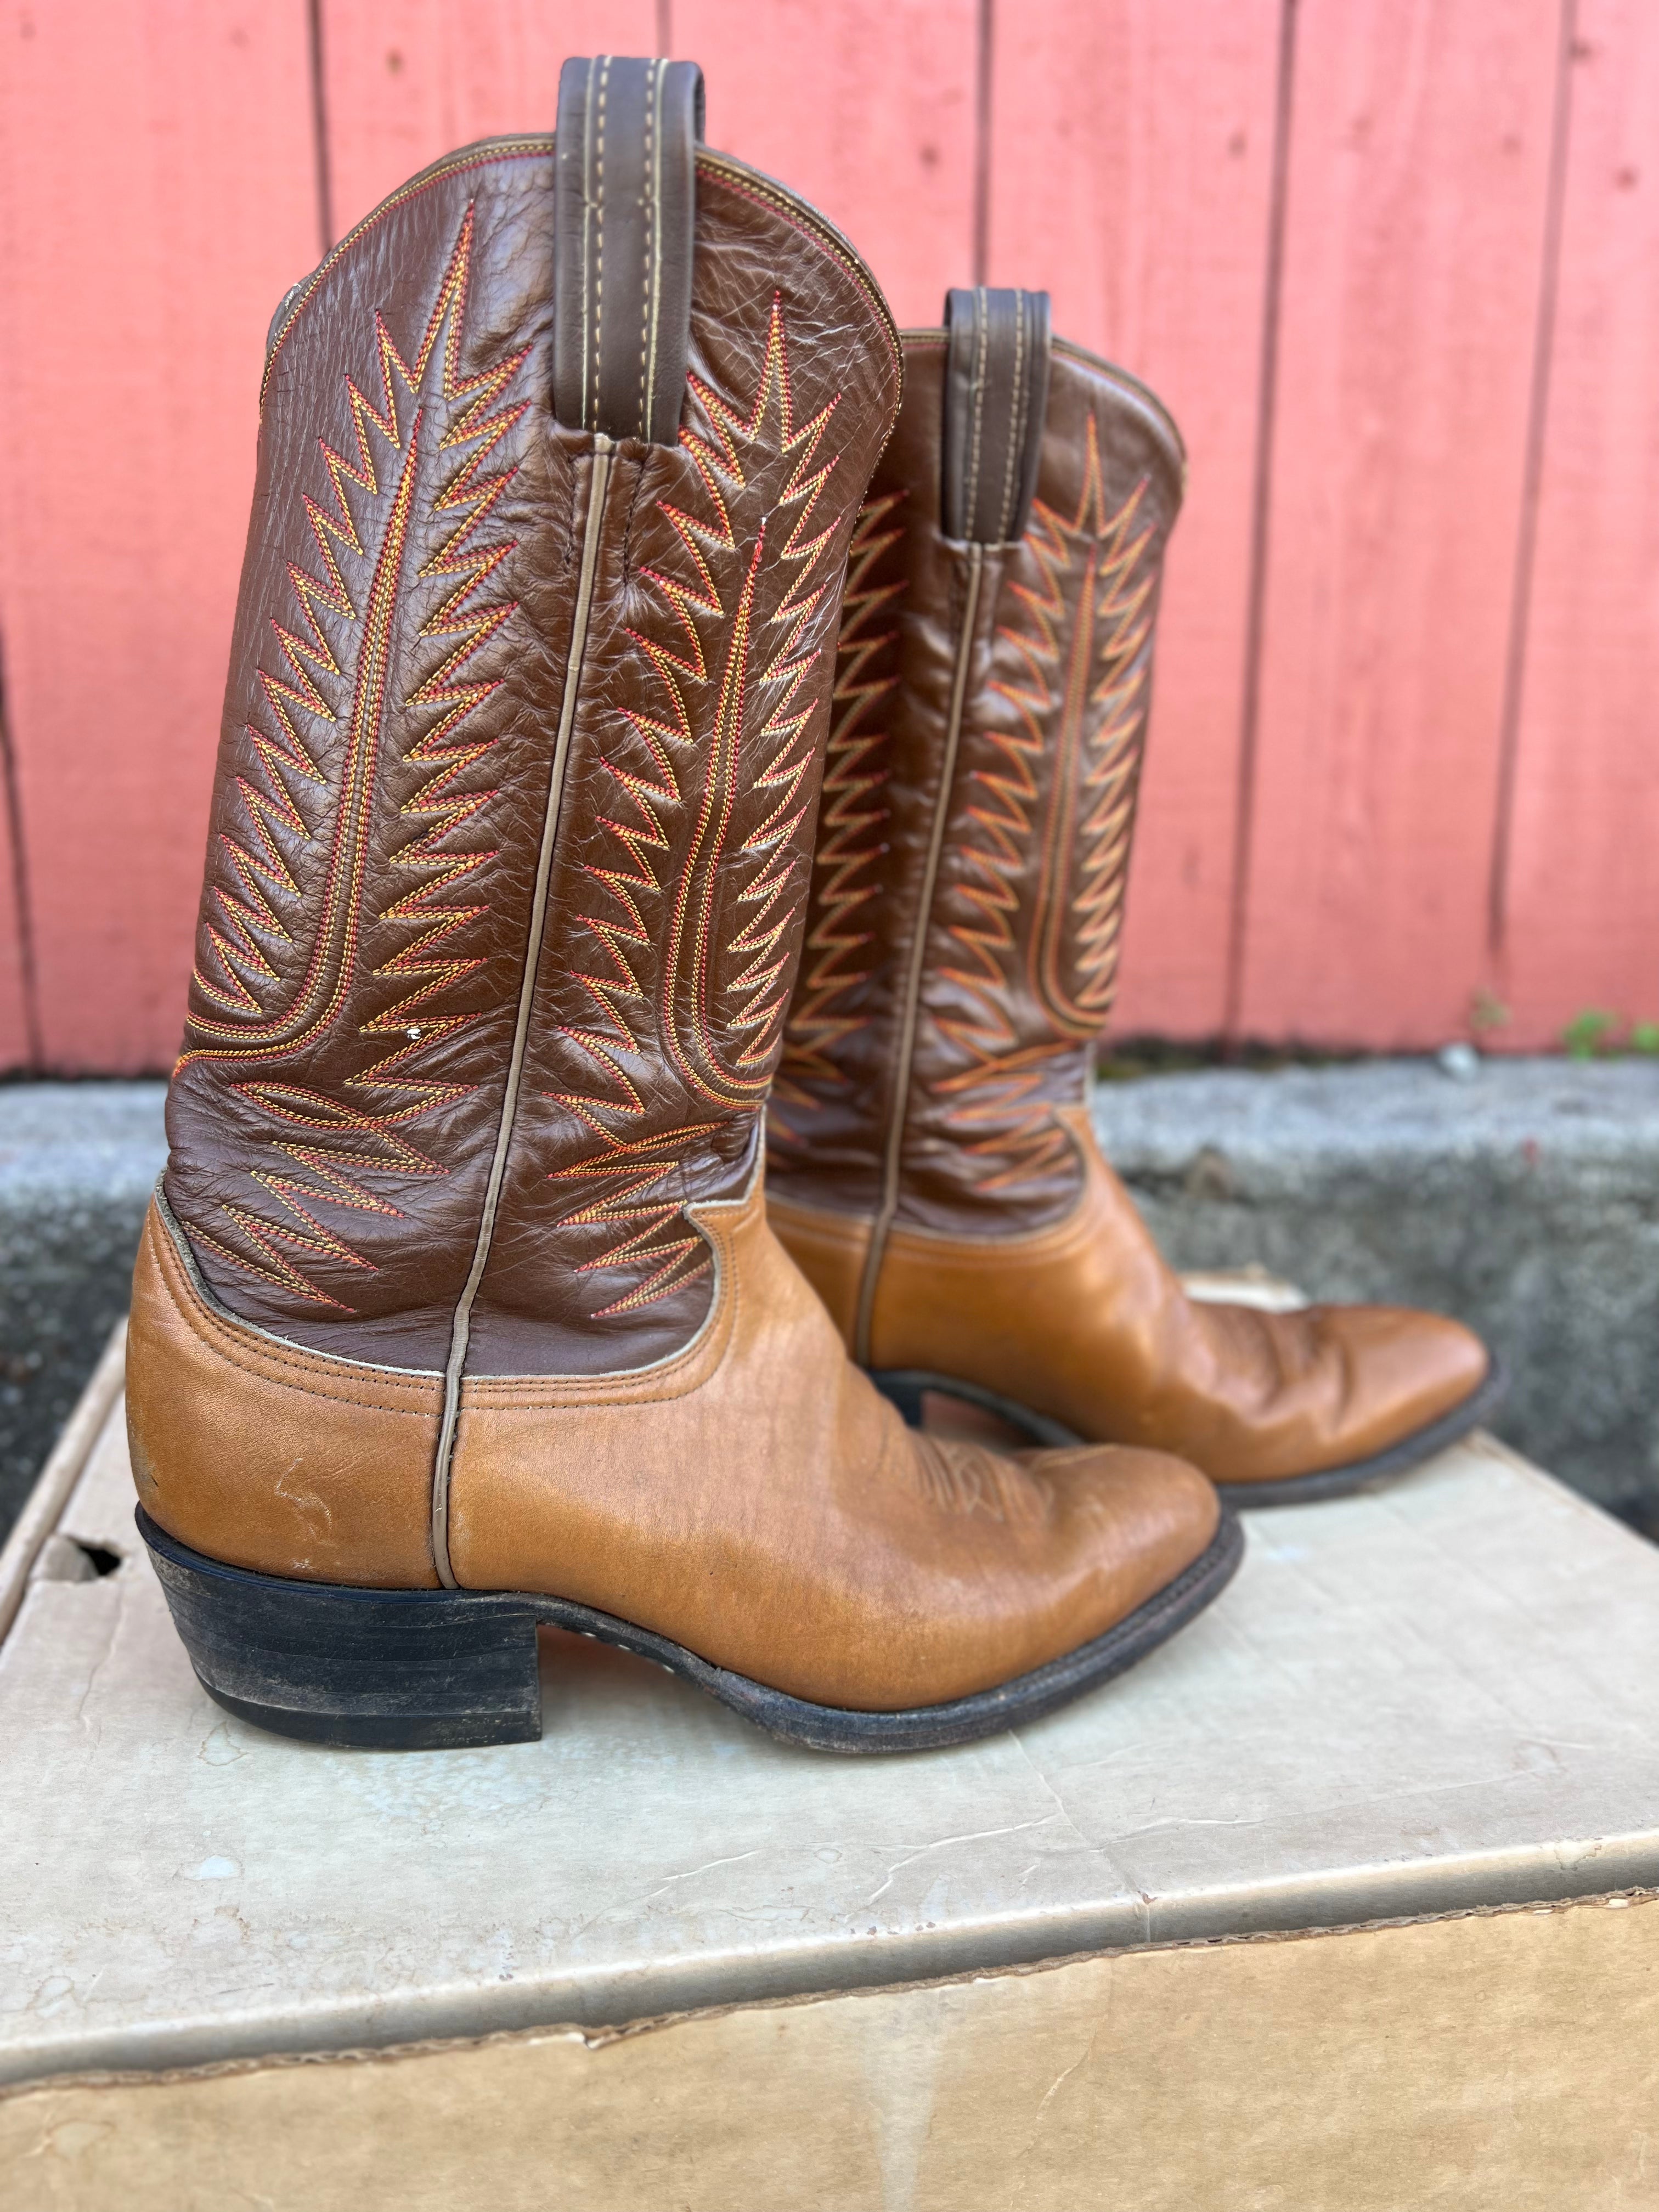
(1525, 1200)
(77, 1161)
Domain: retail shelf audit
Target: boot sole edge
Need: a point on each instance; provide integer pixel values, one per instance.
(903, 1387)
(357, 1669)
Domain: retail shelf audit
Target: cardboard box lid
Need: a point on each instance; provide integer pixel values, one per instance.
(1435, 1696)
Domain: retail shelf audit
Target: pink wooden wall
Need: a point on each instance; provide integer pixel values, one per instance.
(1394, 263)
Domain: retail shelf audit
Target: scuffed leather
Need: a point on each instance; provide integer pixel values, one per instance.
(269, 1456)
(854, 1562)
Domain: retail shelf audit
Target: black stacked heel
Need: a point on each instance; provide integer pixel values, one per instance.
(395, 1670)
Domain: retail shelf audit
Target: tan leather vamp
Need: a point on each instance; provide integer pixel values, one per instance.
(753, 1498)
(1084, 1322)
(758, 1501)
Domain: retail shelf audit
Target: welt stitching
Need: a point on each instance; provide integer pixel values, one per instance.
(824, 246)
(221, 1337)
(516, 151)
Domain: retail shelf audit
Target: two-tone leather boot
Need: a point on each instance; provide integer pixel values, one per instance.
(458, 1309)
(933, 1165)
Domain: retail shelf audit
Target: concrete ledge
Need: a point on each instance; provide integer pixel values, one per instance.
(77, 1162)
(1524, 1199)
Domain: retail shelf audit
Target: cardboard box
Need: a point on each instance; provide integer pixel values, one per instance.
(1335, 1902)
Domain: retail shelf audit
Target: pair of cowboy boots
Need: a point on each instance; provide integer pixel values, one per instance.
(458, 1309)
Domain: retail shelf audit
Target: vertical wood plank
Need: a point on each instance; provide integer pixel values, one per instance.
(1584, 861)
(1131, 170)
(408, 79)
(866, 108)
(1415, 220)
(157, 195)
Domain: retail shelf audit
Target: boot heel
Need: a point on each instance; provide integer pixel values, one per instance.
(390, 1670)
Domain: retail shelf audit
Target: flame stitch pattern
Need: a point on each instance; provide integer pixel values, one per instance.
(731, 798)
(850, 818)
(246, 910)
(1085, 696)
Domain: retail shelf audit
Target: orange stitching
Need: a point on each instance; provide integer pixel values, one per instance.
(258, 864)
(1000, 1089)
(717, 838)
(512, 149)
(817, 1021)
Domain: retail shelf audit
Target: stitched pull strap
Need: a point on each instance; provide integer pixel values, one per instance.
(625, 209)
(996, 393)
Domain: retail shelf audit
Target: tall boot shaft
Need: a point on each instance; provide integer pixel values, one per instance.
(462, 1285)
(994, 678)
(521, 745)
(933, 1166)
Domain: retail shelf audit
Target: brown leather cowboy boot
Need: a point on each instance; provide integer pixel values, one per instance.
(458, 1309)
(933, 1167)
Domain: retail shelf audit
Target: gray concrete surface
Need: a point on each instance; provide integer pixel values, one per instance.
(1525, 1198)
(77, 1164)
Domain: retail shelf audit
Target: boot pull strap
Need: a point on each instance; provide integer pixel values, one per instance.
(996, 394)
(624, 213)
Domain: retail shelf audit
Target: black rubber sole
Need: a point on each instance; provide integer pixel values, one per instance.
(905, 1388)
(424, 1670)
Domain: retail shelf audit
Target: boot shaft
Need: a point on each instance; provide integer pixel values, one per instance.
(994, 679)
(522, 741)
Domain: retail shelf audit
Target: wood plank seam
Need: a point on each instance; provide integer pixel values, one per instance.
(22, 907)
(984, 86)
(315, 38)
(1260, 522)
(1526, 549)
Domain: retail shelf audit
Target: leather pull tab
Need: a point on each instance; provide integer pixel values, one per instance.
(996, 394)
(625, 211)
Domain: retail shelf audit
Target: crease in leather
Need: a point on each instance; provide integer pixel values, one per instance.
(854, 1562)
(268, 1458)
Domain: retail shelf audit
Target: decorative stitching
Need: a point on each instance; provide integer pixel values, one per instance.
(235, 974)
(1095, 563)
(730, 797)
(819, 1021)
